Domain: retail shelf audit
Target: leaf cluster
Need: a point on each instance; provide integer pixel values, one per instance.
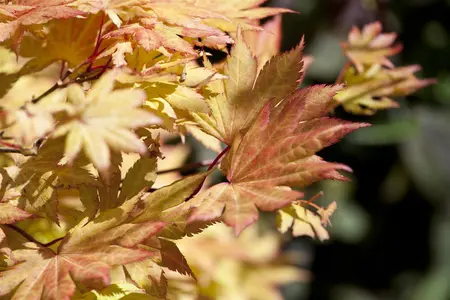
(92, 201)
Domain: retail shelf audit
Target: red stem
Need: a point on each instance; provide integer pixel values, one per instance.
(97, 43)
(10, 145)
(217, 159)
(211, 166)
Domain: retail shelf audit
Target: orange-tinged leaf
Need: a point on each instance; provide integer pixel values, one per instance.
(258, 13)
(91, 249)
(236, 103)
(69, 40)
(133, 223)
(31, 13)
(173, 259)
(10, 214)
(374, 89)
(238, 203)
(159, 203)
(112, 8)
(78, 259)
(370, 46)
(278, 150)
(233, 268)
(159, 35)
(267, 43)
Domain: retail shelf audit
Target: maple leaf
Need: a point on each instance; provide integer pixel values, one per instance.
(103, 118)
(141, 175)
(31, 12)
(370, 46)
(159, 35)
(178, 96)
(116, 10)
(278, 150)
(188, 16)
(117, 292)
(373, 89)
(236, 102)
(238, 13)
(325, 213)
(88, 252)
(164, 205)
(149, 276)
(302, 221)
(26, 122)
(10, 214)
(207, 140)
(9, 63)
(267, 43)
(234, 268)
(39, 179)
(69, 40)
(52, 275)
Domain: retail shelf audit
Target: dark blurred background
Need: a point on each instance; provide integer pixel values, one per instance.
(391, 232)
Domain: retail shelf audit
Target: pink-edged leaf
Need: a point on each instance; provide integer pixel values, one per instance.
(10, 214)
(369, 46)
(278, 150)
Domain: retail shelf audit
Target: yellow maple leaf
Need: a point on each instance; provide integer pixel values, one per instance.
(227, 267)
(374, 89)
(236, 101)
(302, 221)
(294, 121)
(103, 118)
(369, 46)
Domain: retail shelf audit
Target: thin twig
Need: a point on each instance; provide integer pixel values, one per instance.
(10, 145)
(32, 239)
(60, 83)
(211, 166)
(47, 92)
(25, 152)
(13, 148)
(53, 242)
(63, 67)
(24, 234)
(98, 42)
(218, 158)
